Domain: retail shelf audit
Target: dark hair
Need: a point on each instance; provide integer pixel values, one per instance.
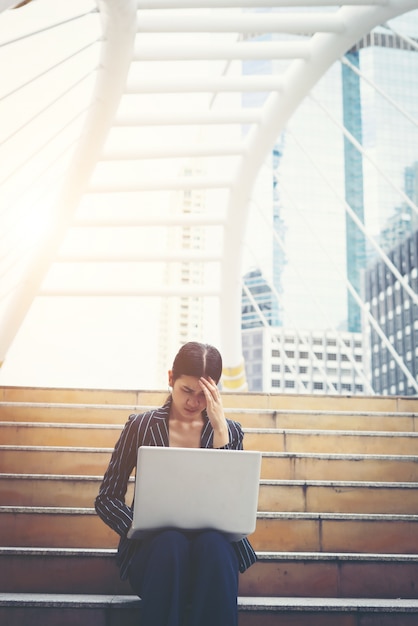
(198, 359)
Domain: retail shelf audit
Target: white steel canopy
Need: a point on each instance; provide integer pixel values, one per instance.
(166, 115)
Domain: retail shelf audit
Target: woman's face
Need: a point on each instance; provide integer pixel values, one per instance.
(188, 399)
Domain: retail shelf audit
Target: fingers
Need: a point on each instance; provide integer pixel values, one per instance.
(215, 412)
(212, 395)
(209, 388)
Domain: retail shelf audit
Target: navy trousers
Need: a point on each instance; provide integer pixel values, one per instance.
(186, 579)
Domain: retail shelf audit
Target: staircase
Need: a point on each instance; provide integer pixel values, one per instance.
(337, 529)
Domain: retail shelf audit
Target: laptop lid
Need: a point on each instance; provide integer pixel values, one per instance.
(195, 489)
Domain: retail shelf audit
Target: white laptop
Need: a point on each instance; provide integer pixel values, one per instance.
(195, 489)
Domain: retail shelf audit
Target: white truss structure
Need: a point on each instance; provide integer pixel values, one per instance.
(197, 111)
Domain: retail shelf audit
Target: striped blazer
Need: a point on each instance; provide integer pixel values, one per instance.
(150, 429)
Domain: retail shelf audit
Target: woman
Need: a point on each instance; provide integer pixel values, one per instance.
(178, 573)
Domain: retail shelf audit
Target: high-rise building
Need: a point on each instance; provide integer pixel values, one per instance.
(261, 299)
(182, 318)
(392, 347)
(349, 153)
(282, 360)
(378, 125)
(404, 221)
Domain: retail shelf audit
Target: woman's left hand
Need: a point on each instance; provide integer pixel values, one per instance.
(215, 411)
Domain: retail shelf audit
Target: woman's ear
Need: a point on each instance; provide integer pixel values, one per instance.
(170, 378)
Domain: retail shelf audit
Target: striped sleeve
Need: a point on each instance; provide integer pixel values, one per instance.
(244, 550)
(110, 503)
(236, 436)
(245, 553)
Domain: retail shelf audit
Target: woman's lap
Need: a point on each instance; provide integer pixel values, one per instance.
(173, 571)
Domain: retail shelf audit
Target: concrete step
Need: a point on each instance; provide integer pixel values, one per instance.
(55, 434)
(267, 439)
(338, 541)
(58, 395)
(290, 574)
(319, 441)
(275, 465)
(102, 610)
(52, 490)
(389, 404)
(67, 413)
(372, 468)
(255, 417)
(59, 460)
(338, 497)
(290, 531)
(274, 495)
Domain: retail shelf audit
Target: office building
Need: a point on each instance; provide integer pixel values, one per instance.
(314, 362)
(261, 300)
(396, 315)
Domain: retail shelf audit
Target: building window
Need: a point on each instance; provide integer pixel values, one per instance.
(289, 383)
(275, 383)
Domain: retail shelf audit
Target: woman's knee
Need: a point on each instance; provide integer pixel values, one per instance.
(164, 552)
(212, 546)
(170, 542)
(211, 540)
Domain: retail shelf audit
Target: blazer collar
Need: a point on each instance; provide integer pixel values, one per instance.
(158, 433)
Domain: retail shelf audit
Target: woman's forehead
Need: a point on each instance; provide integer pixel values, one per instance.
(192, 382)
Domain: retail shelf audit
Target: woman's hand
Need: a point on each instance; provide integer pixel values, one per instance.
(215, 412)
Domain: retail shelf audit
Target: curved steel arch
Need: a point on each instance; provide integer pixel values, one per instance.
(119, 26)
(328, 37)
